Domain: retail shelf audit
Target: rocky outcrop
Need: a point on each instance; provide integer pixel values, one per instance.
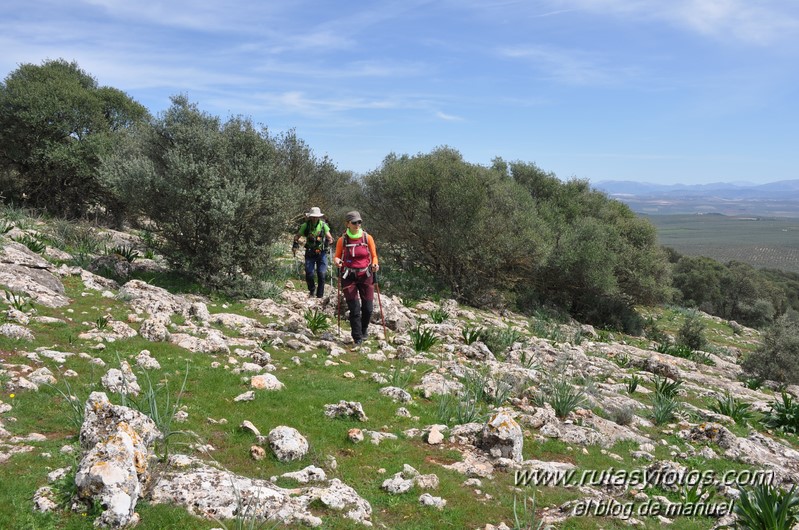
(23, 271)
(214, 493)
(114, 468)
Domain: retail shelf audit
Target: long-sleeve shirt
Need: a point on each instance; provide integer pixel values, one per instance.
(370, 241)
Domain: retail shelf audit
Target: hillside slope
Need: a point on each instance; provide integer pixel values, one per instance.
(201, 412)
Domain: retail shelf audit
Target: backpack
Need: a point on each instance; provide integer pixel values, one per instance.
(312, 243)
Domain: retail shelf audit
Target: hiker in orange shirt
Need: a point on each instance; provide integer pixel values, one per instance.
(356, 255)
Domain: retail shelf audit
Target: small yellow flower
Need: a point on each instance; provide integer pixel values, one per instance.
(11, 396)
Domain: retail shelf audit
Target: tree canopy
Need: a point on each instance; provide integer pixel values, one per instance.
(213, 192)
(56, 123)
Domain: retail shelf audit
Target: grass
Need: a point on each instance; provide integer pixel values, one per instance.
(207, 393)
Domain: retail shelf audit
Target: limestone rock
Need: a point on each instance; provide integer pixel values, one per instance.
(502, 437)
(287, 443)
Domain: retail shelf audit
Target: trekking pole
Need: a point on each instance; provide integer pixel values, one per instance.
(330, 262)
(338, 301)
(380, 305)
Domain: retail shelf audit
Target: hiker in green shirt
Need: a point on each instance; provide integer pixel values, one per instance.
(317, 239)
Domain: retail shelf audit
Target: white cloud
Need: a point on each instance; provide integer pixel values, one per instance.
(448, 117)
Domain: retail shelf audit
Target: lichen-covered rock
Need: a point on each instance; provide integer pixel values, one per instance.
(502, 437)
(108, 476)
(16, 332)
(215, 493)
(396, 394)
(101, 418)
(347, 409)
(23, 271)
(121, 381)
(266, 382)
(434, 383)
(115, 465)
(287, 443)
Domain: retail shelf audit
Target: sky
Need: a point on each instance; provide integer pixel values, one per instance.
(676, 91)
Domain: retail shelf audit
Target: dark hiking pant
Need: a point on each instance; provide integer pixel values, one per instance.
(359, 292)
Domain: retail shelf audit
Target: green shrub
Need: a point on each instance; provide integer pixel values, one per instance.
(128, 253)
(56, 123)
(783, 415)
(767, 507)
(622, 415)
(632, 383)
(75, 238)
(499, 339)
(526, 518)
(458, 409)
(400, 376)
(752, 383)
(34, 243)
(777, 359)
(692, 333)
(564, 398)
(458, 203)
(653, 332)
(20, 302)
(215, 193)
(157, 402)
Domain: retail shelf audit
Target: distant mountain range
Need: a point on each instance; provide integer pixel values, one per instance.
(776, 199)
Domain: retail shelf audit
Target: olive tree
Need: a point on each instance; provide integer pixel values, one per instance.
(467, 226)
(603, 259)
(777, 359)
(56, 123)
(214, 192)
(321, 182)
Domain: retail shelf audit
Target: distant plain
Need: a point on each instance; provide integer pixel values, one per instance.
(763, 242)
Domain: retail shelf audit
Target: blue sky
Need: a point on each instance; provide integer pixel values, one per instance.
(670, 91)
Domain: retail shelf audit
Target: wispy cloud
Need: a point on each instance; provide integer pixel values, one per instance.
(448, 117)
(569, 66)
(762, 22)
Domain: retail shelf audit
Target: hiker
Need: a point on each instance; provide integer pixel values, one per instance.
(317, 239)
(356, 255)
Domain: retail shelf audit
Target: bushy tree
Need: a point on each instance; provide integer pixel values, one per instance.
(468, 226)
(319, 180)
(56, 123)
(214, 192)
(735, 291)
(777, 359)
(698, 282)
(604, 258)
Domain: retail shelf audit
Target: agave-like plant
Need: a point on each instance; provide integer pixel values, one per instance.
(316, 320)
(423, 339)
(767, 507)
(783, 415)
(734, 408)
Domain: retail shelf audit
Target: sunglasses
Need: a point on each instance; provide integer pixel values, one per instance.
(356, 222)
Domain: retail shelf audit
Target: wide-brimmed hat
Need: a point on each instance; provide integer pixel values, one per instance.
(353, 216)
(315, 212)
